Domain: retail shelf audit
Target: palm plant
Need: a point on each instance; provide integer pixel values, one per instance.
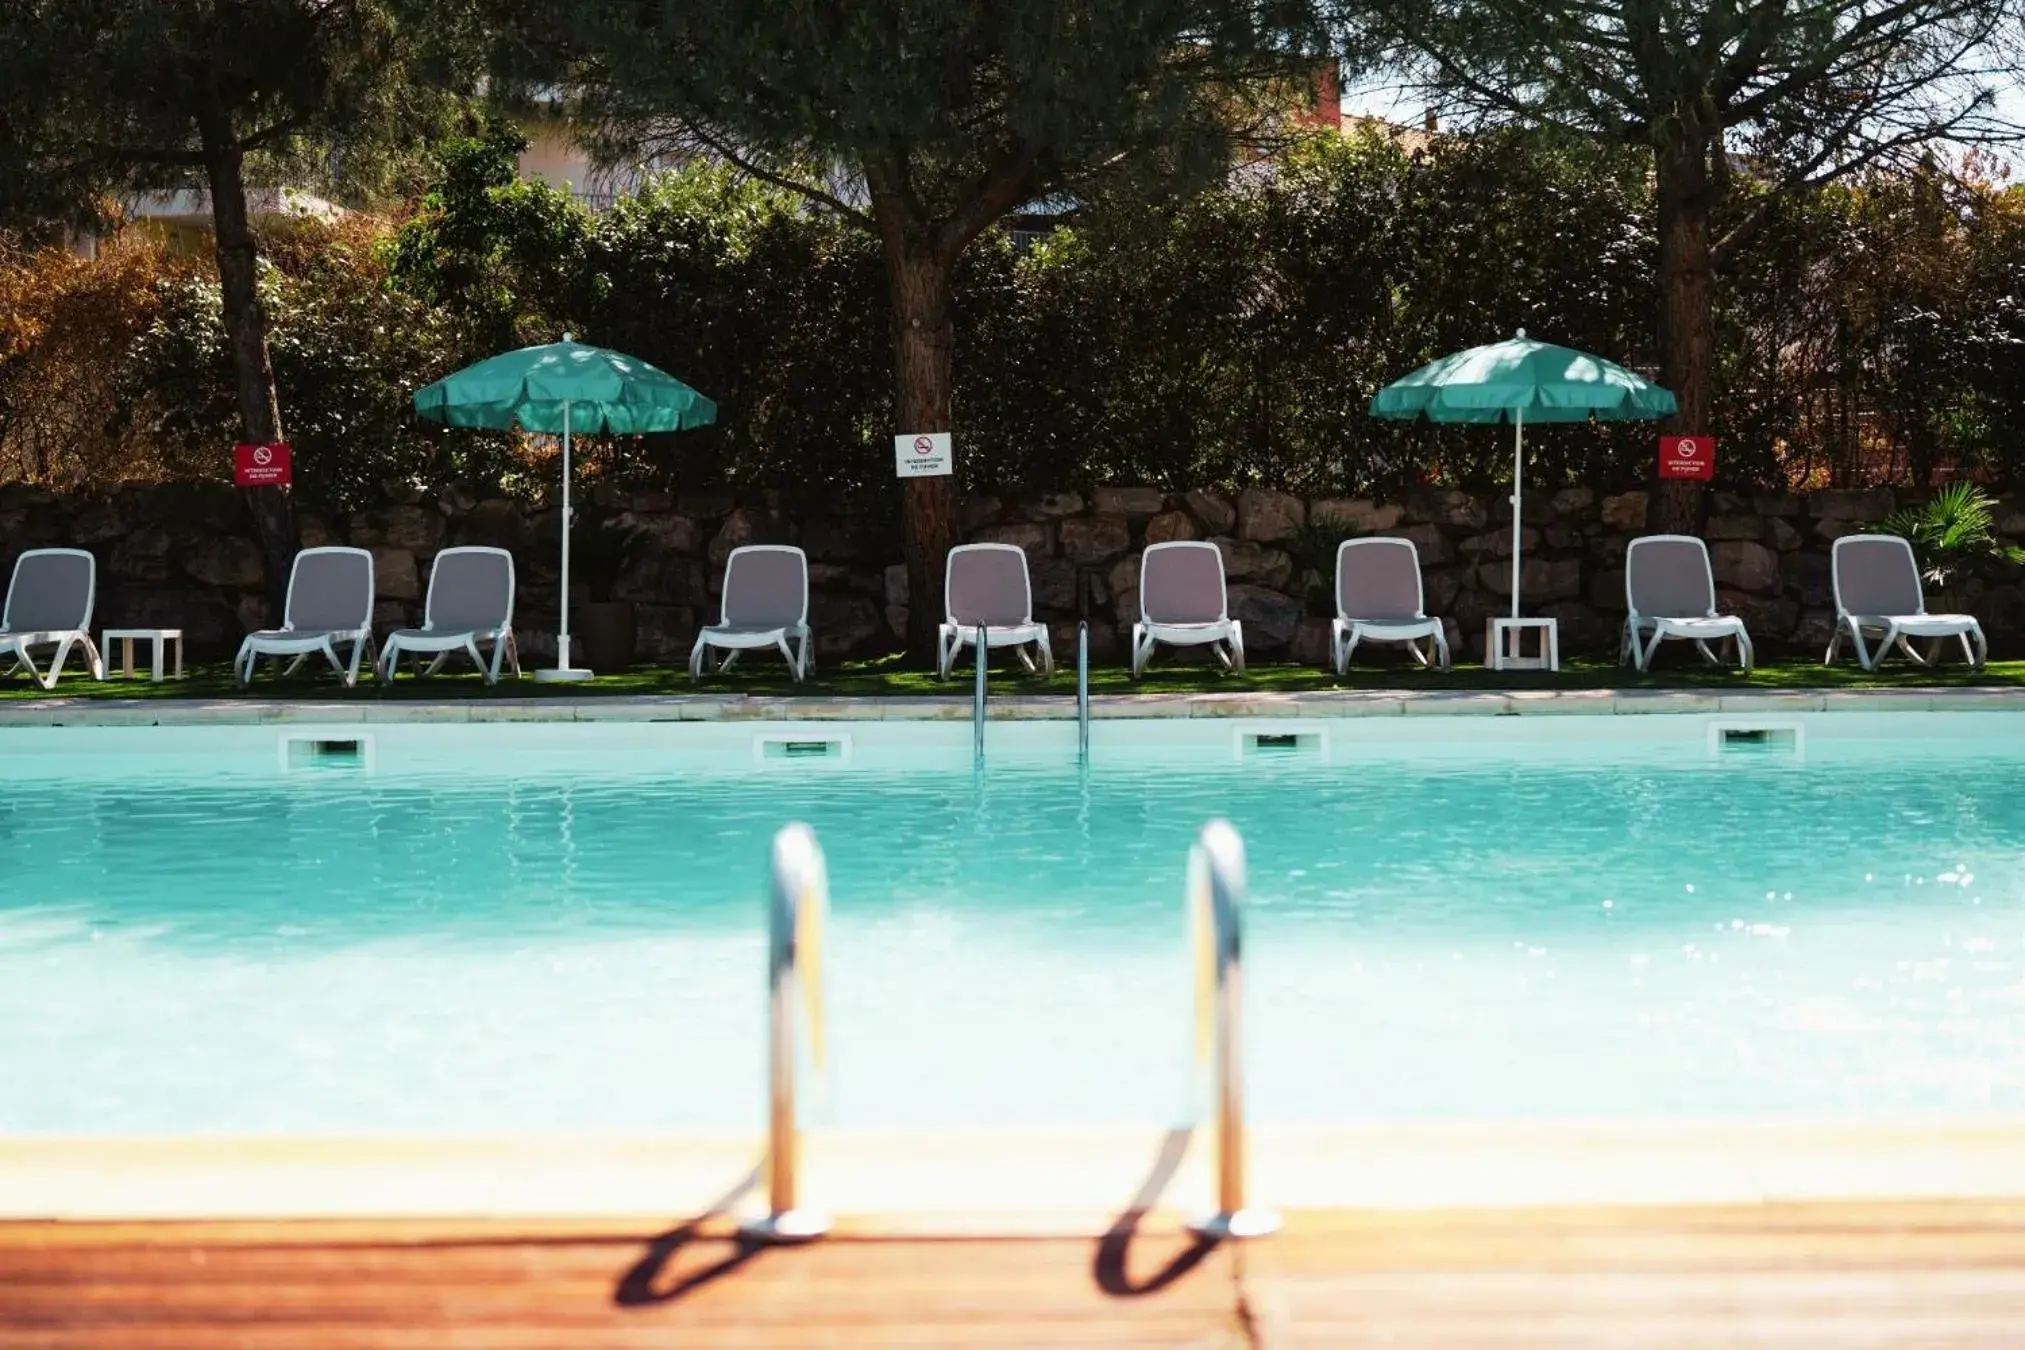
(1955, 528)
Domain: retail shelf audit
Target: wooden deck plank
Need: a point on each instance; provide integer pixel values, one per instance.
(1915, 1275)
(174, 1285)
(1839, 1276)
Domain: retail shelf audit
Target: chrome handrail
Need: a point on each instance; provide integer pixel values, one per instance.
(1216, 894)
(977, 709)
(1083, 691)
(797, 912)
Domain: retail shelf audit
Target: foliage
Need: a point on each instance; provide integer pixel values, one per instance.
(1955, 528)
(1870, 332)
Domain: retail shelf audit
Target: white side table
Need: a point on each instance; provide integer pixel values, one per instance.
(156, 638)
(1504, 645)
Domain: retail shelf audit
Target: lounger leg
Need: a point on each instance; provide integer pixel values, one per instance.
(1652, 648)
(1707, 655)
(1141, 648)
(1047, 648)
(1420, 658)
(1441, 648)
(436, 664)
(1981, 653)
(1834, 644)
(695, 660)
(513, 653)
(1237, 645)
(943, 651)
(1350, 641)
(97, 659)
(34, 675)
(1026, 657)
(1862, 651)
(729, 661)
(1744, 650)
(471, 650)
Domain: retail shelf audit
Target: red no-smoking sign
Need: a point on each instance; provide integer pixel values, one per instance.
(923, 446)
(1689, 457)
(262, 465)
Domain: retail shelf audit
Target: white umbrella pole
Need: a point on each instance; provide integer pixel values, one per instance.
(1518, 482)
(563, 669)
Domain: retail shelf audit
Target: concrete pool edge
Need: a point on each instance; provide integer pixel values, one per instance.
(1068, 1180)
(64, 712)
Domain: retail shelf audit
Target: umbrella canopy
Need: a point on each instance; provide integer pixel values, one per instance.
(604, 391)
(1522, 379)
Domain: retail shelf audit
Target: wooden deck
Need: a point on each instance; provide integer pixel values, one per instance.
(1825, 1276)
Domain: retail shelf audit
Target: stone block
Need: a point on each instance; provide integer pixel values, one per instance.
(1265, 516)
(142, 556)
(847, 626)
(1134, 503)
(1445, 506)
(1310, 646)
(225, 560)
(1269, 617)
(1054, 582)
(1806, 576)
(1624, 511)
(496, 523)
(1571, 501)
(656, 577)
(1094, 539)
(1169, 526)
(1431, 543)
(1734, 527)
(1356, 515)
(1498, 543)
(395, 576)
(896, 585)
(825, 538)
(1783, 505)
(1123, 577)
(1438, 588)
(1247, 561)
(664, 633)
(1606, 592)
(1781, 535)
(1054, 506)
(1745, 566)
(1540, 580)
(1215, 512)
(743, 526)
(668, 532)
(1850, 504)
(1038, 540)
(96, 524)
(1583, 630)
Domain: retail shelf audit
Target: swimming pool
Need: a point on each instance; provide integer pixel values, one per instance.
(532, 927)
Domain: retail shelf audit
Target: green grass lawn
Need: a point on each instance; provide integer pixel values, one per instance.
(890, 676)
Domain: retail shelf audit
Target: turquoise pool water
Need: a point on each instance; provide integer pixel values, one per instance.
(502, 929)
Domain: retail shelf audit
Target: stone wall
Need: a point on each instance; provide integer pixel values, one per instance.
(183, 555)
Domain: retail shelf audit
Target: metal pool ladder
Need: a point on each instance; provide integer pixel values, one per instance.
(1216, 895)
(1083, 691)
(797, 911)
(977, 707)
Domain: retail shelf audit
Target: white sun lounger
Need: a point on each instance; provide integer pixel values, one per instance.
(1878, 591)
(49, 604)
(1183, 603)
(766, 604)
(1670, 590)
(987, 586)
(470, 606)
(329, 605)
(1379, 599)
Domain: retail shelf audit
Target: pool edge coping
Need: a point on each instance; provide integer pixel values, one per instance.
(1343, 703)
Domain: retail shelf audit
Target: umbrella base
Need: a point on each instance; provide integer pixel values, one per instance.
(561, 675)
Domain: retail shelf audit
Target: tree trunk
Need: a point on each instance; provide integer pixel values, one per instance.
(1687, 327)
(246, 332)
(924, 336)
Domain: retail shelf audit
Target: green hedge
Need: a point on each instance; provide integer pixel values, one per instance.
(1868, 332)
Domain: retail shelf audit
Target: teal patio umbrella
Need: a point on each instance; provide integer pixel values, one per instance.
(560, 388)
(1525, 381)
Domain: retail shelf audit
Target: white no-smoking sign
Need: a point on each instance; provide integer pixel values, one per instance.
(923, 454)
